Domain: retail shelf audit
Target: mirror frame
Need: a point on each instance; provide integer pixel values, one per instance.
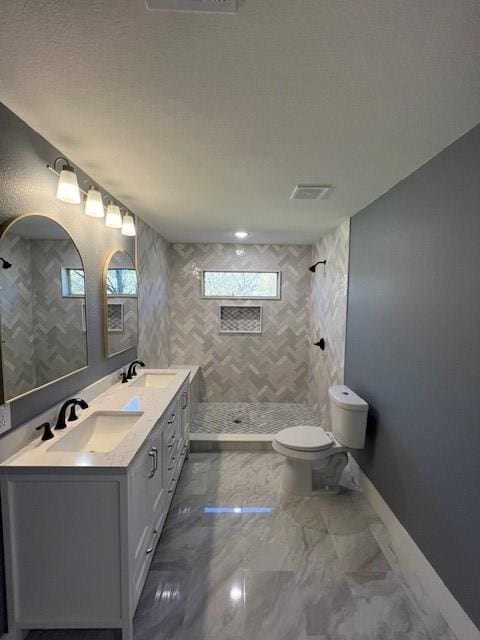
(4, 228)
(106, 264)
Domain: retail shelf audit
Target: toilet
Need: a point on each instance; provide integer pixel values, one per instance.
(314, 458)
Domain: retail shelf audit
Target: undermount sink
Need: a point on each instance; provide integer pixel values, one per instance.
(99, 433)
(154, 380)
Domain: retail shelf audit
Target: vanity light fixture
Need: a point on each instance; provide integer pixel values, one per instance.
(5, 263)
(113, 218)
(241, 235)
(128, 225)
(67, 189)
(94, 203)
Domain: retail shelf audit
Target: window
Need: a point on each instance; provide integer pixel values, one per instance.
(241, 284)
(122, 282)
(73, 283)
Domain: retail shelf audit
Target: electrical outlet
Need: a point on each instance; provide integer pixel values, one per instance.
(5, 423)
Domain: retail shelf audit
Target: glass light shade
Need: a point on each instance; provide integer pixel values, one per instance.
(67, 190)
(114, 217)
(128, 225)
(94, 203)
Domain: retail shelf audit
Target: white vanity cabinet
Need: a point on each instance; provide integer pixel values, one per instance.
(79, 541)
(185, 412)
(146, 508)
(178, 432)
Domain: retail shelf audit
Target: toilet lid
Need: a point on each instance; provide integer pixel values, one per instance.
(304, 438)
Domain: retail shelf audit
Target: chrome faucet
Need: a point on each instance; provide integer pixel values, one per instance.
(132, 369)
(74, 402)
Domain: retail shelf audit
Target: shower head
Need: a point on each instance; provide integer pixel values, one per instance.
(314, 266)
(5, 264)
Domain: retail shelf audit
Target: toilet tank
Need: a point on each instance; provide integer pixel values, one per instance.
(348, 413)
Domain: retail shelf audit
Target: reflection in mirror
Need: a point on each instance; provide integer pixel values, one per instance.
(42, 305)
(120, 303)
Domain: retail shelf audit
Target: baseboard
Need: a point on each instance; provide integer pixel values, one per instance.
(414, 564)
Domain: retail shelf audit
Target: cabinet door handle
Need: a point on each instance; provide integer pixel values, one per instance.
(155, 459)
(173, 485)
(172, 443)
(173, 464)
(150, 549)
(151, 455)
(172, 420)
(185, 395)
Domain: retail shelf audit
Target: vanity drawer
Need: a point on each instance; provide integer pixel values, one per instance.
(142, 564)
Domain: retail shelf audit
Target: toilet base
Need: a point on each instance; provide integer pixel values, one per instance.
(305, 478)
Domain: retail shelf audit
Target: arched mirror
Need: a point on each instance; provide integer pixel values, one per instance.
(120, 303)
(42, 305)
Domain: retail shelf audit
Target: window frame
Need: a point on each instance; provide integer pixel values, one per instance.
(66, 283)
(278, 295)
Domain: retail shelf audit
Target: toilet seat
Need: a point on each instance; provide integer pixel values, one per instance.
(309, 439)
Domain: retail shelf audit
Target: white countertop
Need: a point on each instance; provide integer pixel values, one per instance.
(153, 402)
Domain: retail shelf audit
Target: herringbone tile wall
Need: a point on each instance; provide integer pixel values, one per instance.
(127, 338)
(42, 335)
(16, 317)
(328, 314)
(271, 367)
(153, 297)
(60, 342)
(119, 341)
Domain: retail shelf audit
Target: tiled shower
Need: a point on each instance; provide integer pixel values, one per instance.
(260, 383)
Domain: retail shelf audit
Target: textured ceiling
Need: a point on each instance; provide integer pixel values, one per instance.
(204, 123)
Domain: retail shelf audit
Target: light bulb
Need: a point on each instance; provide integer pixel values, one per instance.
(94, 203)
(241, 235)
(67, 190)
(114, 217)
(128, 225)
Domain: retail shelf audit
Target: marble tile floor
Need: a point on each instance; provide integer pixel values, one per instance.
(251, 417)
(241, 560)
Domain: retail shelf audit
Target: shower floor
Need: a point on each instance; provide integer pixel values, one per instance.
(251, 417)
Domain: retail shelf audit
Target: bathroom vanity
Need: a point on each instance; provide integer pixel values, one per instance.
(82, 513)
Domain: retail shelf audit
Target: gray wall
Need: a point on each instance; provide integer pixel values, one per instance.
(26, 186)
(271, 367)
(328, 311)
(413, 352)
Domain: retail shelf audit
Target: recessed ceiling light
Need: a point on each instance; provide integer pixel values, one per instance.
(241, 235)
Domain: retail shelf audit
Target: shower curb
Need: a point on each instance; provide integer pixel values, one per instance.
(204, 442)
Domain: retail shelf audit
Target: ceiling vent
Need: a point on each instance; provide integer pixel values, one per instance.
(310, 192)
(195, 6)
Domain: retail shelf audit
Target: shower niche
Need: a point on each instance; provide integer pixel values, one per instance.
(240, 319)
